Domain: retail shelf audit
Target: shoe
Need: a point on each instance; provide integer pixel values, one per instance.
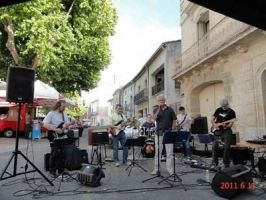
(154, 172)
(127, 163)
(52, 174)
(215, 167)
(226, 166)
(117, 164)
(170, 173)
(163, 159)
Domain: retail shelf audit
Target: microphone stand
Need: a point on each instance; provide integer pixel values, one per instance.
(158, 175)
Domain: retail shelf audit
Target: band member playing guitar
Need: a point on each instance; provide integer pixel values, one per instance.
(222, 121)
(117, 126)
(56, 121)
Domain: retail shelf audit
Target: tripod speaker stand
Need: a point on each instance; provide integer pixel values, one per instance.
(20, 89)
(15, 157)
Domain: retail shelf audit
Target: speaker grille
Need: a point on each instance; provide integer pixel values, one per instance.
(20, 85)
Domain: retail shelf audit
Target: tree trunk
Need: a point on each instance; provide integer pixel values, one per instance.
(10, 44)
(35, 62)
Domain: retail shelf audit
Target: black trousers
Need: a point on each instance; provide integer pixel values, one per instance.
(226, 140)
(56, 161)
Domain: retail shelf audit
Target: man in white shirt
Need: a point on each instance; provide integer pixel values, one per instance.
(117, 126)
(55, 122)
(184, 124)
(183, 120)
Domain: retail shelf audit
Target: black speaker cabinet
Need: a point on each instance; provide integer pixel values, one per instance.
(231, 181)
(200, 126)
(20, 85)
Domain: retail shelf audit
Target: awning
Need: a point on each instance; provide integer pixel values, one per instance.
(247, 11)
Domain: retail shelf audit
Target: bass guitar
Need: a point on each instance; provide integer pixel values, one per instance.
(217, 127)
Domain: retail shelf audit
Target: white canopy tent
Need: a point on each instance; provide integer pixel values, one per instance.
(44, 94)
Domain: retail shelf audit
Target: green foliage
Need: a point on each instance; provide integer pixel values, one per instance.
(69, 38)
(79, 110)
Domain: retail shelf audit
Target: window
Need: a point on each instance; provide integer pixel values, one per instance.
(203, 25)
(3, 110)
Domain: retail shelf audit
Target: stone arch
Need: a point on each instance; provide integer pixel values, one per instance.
(263, 84)
(260, 91)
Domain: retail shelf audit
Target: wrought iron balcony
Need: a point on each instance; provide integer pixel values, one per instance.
(141, 96)
(158, 88)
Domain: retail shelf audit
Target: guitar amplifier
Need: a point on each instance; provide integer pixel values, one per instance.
(98, 135)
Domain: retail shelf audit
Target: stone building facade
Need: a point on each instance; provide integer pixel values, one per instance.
(222, 57)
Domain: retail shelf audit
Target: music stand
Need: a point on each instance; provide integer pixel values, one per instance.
(172, 137)
(158, 175)
(15, 154)
(132, 143)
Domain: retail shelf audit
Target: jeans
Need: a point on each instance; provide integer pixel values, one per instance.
(121, 137)
(226, 138)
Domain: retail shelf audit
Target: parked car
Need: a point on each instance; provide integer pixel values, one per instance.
(9, 117)
(86, 122)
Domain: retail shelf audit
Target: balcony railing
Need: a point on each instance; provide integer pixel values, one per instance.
(223, 34)
(158, 88)
(141, 96)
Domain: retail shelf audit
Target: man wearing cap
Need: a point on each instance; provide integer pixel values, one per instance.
(222, 121)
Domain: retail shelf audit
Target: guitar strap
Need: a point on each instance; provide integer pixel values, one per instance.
(181, 123)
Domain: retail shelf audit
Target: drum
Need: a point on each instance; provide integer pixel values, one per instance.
(151, 132)
(143, 131)
(131, 133)
(148, 150)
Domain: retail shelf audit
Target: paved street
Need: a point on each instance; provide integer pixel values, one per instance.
(116, 185)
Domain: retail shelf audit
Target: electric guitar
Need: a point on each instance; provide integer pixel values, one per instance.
(216, 127)
(58, 135)
(114, 131)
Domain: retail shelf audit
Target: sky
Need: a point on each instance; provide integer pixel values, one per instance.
(142, 26)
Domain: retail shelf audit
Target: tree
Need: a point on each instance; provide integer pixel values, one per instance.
(65, 41)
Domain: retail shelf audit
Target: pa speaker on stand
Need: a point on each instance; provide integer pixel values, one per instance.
(20, 89)
(20, 85)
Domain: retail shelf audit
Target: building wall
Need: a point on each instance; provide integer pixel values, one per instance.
(239, 74)
(128, 99)
(141, 82)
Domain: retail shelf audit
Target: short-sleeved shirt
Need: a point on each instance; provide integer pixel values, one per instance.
(165, 118)
(222, 115)
(56, 118)
(184, 121)
(116, 118)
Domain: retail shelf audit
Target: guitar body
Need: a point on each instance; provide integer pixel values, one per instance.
(114, 131)
(217, 128)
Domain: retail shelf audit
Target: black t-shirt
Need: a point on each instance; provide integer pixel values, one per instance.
(222, 115)
(165, 118)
